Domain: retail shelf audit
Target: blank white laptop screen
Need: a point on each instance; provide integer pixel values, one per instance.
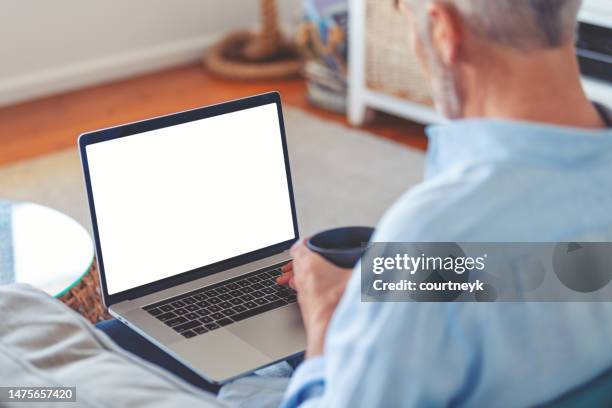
(175, 199)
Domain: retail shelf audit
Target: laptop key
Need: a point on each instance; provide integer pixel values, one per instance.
(268, 291)
(191, 316)
(200, 330)
(206, 319)
(155, 312)
(211, 293)
(203, 312)
(243, 283)
(166, 316)
(258, 310)
(232, 286)
(199, 297)
(257, 286)
(236, 293)
(214, 308)
(239, 308)
(268, 282)
(188, 300)
(178, 303)
(225, 296)
(217, 315)
(203, 303)
(181, 311)
(166, 308)
(250, 305)
(236, 301)
(187, 326)
(284, 295)
(192, 308)
(225, 305)
(222, 289)
(270, 298)
(246, 297)
(175, 321)
(225, 321)
(258, 294)
(188, 334)
(212, 326)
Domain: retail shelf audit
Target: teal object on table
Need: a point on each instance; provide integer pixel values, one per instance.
(7, 274)
(42, 247)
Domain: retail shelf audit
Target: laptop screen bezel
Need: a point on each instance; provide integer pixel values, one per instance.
(174, 119)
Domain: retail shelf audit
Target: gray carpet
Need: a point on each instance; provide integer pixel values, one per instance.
(341, 176)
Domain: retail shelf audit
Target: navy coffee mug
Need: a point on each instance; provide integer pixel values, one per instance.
(341, 246)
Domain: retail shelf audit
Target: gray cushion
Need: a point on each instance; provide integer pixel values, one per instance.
(44, 343)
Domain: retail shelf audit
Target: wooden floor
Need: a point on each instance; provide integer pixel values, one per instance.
(45, 125)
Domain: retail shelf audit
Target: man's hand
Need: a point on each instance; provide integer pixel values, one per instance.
(319, 285)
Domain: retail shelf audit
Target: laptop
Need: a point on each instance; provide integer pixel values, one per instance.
(193, 215)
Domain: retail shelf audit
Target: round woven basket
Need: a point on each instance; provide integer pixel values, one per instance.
(264, 54)
(225, 59)
(391, 66)
(85, 297)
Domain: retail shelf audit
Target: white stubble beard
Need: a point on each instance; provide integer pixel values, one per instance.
(446, 93)
(445, 89)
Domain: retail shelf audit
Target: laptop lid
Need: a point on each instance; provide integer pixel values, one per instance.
(183, 196)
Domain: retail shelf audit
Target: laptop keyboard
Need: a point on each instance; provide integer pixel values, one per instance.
(224, 303)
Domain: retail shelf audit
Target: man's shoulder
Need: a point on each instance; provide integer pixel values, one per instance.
(470, 205)
(423, 212)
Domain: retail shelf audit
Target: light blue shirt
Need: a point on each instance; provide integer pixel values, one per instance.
(486, 180)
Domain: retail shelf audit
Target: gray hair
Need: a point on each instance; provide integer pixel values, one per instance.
(521, 24)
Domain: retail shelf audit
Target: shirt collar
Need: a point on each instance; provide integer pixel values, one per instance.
(477, 141)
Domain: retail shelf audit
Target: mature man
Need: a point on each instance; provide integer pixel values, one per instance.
(526, 157)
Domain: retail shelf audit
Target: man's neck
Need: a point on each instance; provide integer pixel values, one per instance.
(540, 87)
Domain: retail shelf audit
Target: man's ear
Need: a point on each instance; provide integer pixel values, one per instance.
(445, 29)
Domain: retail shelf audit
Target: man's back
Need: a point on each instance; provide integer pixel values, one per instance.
(531, 163)
(488, 181)
(501, 181)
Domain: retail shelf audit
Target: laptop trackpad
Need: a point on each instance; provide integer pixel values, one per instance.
(278, 333)
(219, 355)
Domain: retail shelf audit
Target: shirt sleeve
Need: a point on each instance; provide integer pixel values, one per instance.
(389, 353)
(307, 383)
(377, 354)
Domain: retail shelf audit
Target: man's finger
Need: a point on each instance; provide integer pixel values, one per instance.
(296, 247)
(284, 278)
(297, 243)
(288, 267)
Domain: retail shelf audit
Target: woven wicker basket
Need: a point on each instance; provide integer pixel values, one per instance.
(391, 66)
(85, 297)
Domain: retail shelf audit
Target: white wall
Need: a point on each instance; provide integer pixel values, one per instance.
(48, 46)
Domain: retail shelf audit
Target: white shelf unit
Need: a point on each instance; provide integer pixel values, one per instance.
(361, 99)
